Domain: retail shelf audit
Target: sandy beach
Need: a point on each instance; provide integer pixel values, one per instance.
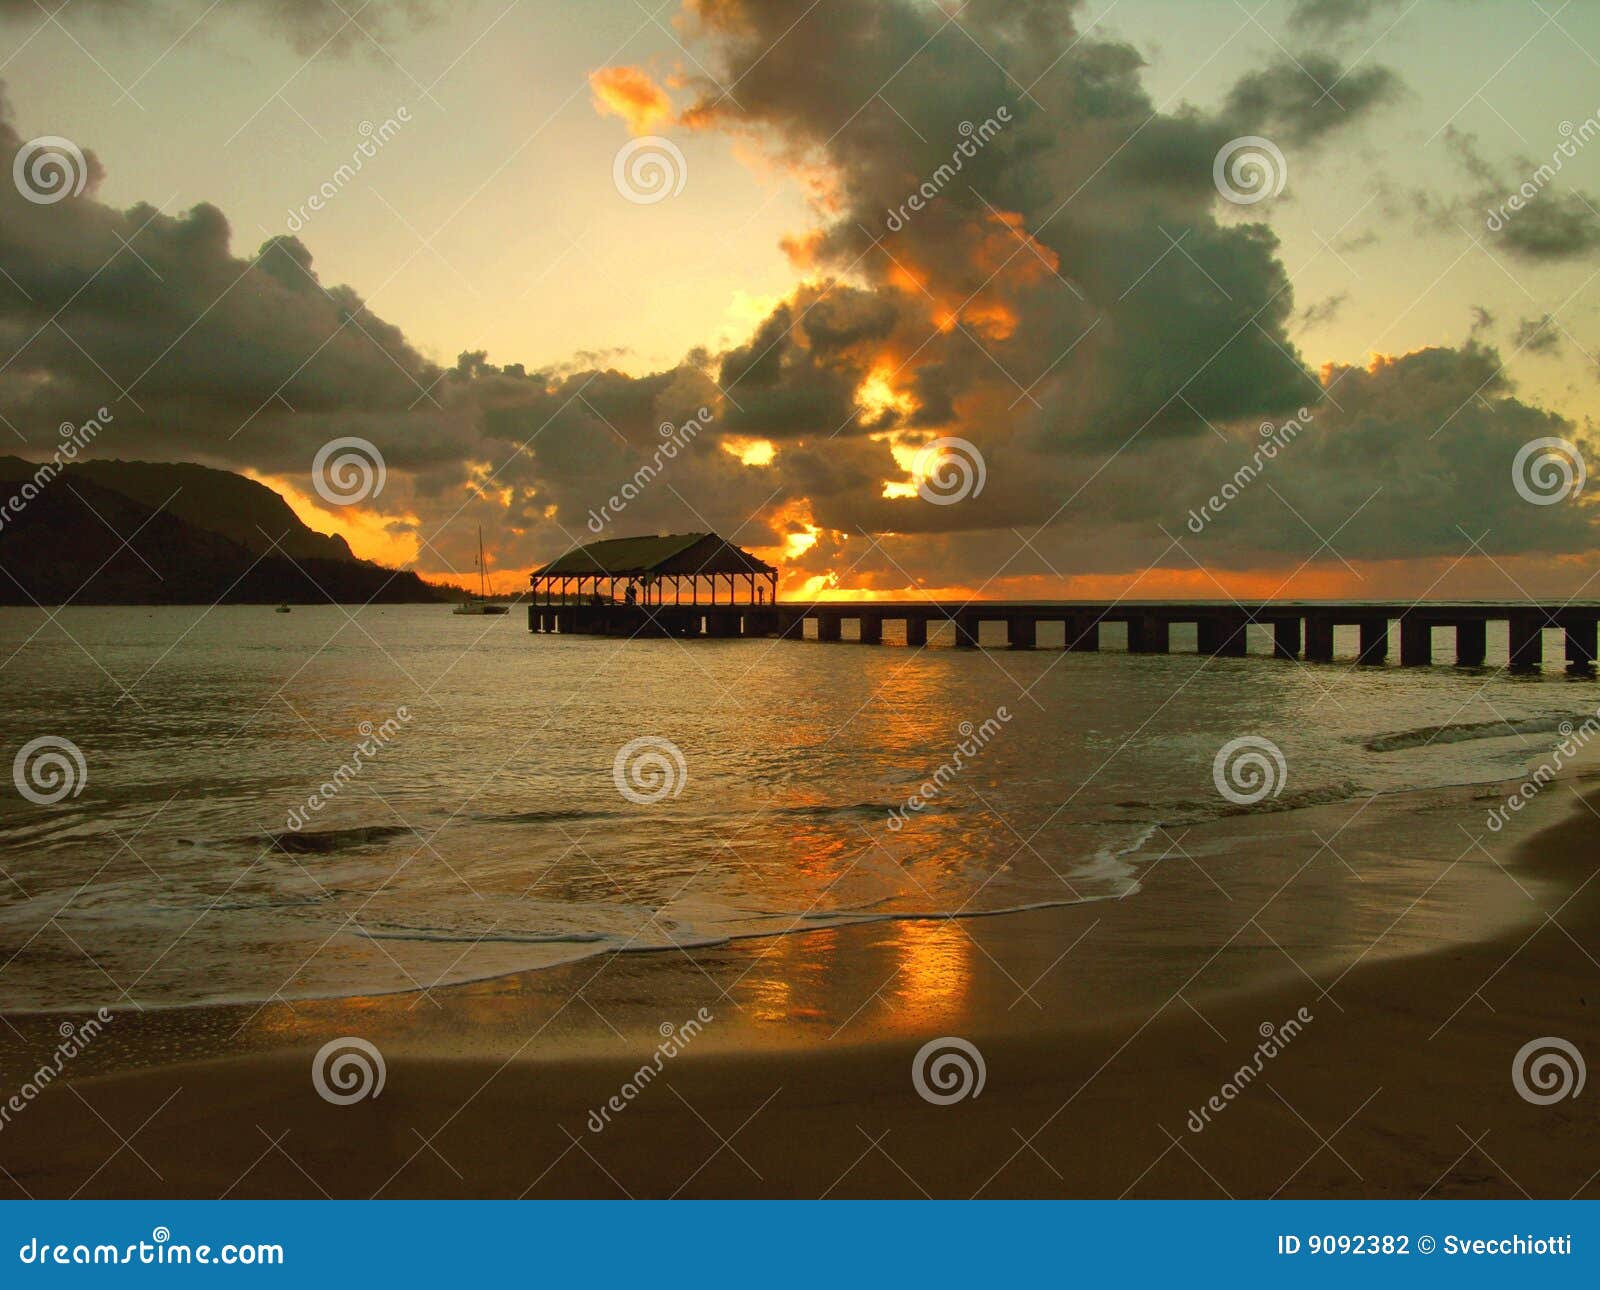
(1104, 1030)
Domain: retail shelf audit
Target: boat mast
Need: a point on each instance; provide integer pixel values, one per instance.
(483, 593)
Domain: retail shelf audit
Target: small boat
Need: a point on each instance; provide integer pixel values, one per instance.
(281, 609)
(482, 603)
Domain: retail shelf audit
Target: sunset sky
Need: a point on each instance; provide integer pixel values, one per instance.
(485, 305)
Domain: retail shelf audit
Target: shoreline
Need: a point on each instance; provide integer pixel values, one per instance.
(1089, 1084)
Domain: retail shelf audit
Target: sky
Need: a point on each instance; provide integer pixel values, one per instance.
(1051, 369)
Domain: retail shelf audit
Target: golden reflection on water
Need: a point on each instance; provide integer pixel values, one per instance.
(935, 962)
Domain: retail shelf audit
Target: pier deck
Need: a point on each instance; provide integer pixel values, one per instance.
(1298, 629)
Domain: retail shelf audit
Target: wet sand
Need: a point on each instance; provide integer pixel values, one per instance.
(1416, 952)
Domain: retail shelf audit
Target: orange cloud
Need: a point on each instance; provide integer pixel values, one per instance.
(630, 93)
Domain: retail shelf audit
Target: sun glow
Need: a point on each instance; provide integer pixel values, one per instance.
(371, 535)
(877, 396)
(750, 452)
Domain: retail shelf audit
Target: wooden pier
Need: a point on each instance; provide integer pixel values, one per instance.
(1292, 630)
(700, 585)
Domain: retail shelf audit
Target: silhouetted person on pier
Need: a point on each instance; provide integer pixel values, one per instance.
(632, 594)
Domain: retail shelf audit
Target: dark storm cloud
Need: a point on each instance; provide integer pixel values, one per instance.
(310, 26)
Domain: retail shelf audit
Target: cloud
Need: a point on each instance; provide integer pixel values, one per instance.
(1298, 99)
(310, 26)
(1069, 292)
(1330, 17)
(1538, 336)
(1521, 206)
(630, 93)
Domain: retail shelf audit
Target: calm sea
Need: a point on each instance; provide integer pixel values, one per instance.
(334, 802)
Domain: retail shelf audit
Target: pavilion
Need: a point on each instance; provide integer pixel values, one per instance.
(697, 568)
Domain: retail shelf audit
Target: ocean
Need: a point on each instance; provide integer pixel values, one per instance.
(338, 802)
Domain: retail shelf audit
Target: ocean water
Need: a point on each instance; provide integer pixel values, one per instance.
(525, 801)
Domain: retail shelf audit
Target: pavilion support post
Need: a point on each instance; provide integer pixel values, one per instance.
(1148, 634)
(1472, 640)
(916, 632)
(828, 627)
(966, 631)
(1416, 641)
(1286, 638)
(1022, 632)
(871, 629)
(1083, 635)
(1374, 641)
(1581, 636)
(1526, 642)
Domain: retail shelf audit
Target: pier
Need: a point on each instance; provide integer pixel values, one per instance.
(698, 585)
(1290, 630)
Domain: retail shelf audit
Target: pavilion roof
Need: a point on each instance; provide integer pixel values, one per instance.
(683, 554)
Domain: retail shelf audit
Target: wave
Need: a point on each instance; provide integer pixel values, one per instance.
(1466, 731)
(325, 841)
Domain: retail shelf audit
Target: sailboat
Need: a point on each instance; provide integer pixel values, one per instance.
(481, 605)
